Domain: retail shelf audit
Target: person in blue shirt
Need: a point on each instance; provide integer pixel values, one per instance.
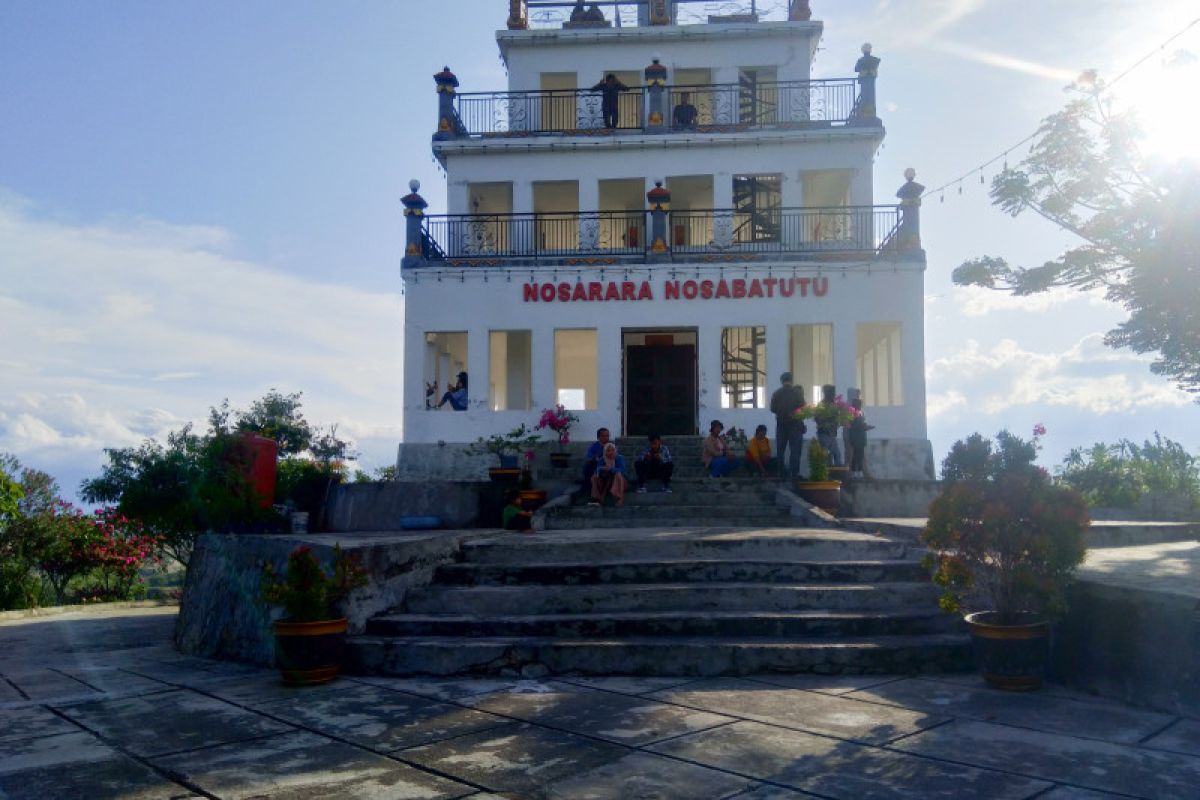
(592, 457)
(609, 477)
(456, 397)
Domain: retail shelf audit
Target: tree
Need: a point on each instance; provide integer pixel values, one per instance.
(1136, 225)
(276, 416)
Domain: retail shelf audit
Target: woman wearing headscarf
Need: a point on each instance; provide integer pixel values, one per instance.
(609, 477)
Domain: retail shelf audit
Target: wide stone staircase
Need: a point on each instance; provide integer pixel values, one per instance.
(741, 499)
(669, 600)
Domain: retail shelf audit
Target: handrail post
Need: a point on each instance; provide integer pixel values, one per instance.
(660, 200)
(449, 126)
(414, 216)
(867, 68)
(908, 240)
(656, 90)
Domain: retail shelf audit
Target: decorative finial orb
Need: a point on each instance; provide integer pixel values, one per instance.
(866, 49)
(658, 184)
(910, 173)
(414, 185)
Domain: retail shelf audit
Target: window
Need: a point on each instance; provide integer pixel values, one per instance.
(445, 358)
(756, 202)
(557, 102)
(811, 358)
(576, 372)
(744, 367)
(511, 370)
(556, 205)
(879, 363)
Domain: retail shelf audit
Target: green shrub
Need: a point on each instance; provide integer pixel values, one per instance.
(1118, 475)
(818, 462)
(307, 593)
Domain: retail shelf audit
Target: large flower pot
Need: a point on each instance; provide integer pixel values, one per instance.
(1012, 653)
(825, 495)
(532, 499)
(309, 652)
(504, 474)
(839, 474)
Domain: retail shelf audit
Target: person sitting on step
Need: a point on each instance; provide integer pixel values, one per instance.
(716, 455)
(758, 453)
(609, 477)
(513, 517)
(654, 464)
(591, 458)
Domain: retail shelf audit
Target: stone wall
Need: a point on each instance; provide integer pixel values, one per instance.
(381, 506)
(1135, 645)
(888, 498)
(221, 615)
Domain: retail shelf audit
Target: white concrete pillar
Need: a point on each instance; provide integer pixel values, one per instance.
(778, 356)
(723, 207)
(845, 351)
(458, 197)
(725, 105)
(609, 362)
(523, 228)
(708, 369)
(862, 184)
(478, 368)
(542, 346)
(589, 223)
(912, 349)
(792, 224)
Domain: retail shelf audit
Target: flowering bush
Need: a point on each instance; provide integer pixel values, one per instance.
(308, 593)
(559, 420)
(828, 416)
(119, 549)
(1004, 537)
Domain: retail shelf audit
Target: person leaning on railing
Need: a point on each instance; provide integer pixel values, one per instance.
(610, 89)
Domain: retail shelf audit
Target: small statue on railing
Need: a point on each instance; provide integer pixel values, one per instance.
(798, 11)
(518, 16)
(867, 68)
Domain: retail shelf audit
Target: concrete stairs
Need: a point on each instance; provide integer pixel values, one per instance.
(669, 601)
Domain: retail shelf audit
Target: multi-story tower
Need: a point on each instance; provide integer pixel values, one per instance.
(656, 259)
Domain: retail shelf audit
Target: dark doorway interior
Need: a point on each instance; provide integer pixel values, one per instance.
(660, 389)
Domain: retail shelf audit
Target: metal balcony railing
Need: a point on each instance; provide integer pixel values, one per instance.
(718, 107)
(851, 230)
(549, 111)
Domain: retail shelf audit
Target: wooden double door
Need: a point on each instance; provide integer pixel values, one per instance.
(660, 388)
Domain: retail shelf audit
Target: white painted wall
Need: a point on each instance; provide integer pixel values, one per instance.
(865, 294)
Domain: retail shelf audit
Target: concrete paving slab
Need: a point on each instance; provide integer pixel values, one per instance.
(115, 682)
(766, 792)
(833, 768)
(616, 718)
(1171, 568)
(262, 688)
(1111, 722)
(1082, 763)
(1075, 793)
(44, 685)
(381, 719)
(641, 775)
(9, 693)
(31, 722)
(18, 755)
(628, 684)
(110, 775)
(1182, 737)
(303, 766)
(803, 710)
(519, 759)
(170, 722)
(825, 684)
(455, 689)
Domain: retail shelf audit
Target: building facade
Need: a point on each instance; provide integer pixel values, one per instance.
(654, 254)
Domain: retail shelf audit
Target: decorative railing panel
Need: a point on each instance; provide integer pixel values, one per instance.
(549, 111)
(766, 104)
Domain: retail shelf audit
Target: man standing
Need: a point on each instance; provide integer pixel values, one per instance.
(789, 431)
(610, 91)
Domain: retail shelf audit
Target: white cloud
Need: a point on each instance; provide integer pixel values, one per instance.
(1088, 377)
(1007, 62)
(976, 301)
(123, 330)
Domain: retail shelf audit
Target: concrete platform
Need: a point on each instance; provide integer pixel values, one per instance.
(96, 703)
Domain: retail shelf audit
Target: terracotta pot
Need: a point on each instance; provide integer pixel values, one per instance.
(825, 495)
(1012, 654)
(309, 652)
(839, 474)
(532, 499)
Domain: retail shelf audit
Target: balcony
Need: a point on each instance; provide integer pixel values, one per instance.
(718, 108)
(550, 14)
(853, 232)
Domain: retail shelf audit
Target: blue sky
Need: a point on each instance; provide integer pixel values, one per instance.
(200, 201)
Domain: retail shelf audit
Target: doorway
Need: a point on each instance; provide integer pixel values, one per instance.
(660, 382)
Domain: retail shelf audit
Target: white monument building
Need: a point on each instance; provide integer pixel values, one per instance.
(657, 259)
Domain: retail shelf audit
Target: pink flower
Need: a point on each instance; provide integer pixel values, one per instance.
(1039, 429)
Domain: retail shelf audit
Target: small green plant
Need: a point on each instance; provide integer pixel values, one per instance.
(520, 439)
(818, 462)
(307, 593)
(1118, 475)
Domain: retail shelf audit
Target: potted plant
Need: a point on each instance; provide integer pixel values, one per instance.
(559, 420)
(531, 499)
(310, 637)
(1005, 541)
(830, 416)
(819, 490)
(736, 436)
(505, 446)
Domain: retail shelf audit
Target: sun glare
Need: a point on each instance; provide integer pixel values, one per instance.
(1160, 95)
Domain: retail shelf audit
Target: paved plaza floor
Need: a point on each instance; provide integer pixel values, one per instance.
(97, 704)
